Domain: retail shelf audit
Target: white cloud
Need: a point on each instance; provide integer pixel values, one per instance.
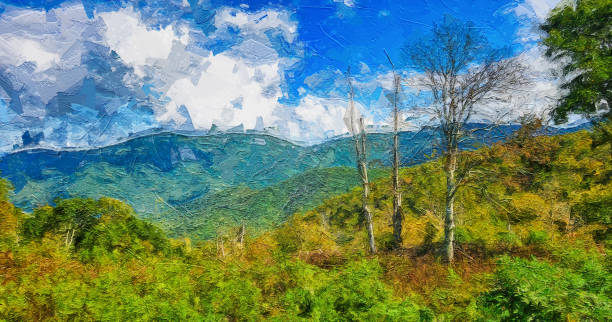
(45, 37)
(136, 43)
(534, 9)
(321, 117)
(228, 93)
(530, 13)
(229, 88)
(244, 82)
(52, 42)
(20, 50)
(255, 24)
(544, 91)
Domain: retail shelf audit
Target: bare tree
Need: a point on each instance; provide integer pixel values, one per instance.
(461, 71)
(354, 122)
(240, 234)
(397, 197)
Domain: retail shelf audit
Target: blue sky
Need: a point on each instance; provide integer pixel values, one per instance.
(89, 73)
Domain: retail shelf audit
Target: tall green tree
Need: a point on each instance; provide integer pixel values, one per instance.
(579, 38)
(70, 218)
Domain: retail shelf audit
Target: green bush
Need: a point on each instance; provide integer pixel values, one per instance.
(508, 240)
(358, 293)
(529, 289)
(464, 236)
(537, 238)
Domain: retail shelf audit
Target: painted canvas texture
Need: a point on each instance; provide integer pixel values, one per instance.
(337, 160)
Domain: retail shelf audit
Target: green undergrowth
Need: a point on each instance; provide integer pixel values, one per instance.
(533, 232)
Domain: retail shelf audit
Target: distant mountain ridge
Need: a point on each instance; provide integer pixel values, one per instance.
(169, 167)
(156, 171)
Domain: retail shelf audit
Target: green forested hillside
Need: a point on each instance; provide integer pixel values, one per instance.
(139, 171)
(533, 235)
(557, 184)
(259, 209)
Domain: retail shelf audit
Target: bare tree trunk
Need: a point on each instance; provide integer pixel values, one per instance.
(462, 71)
(71, 237)
(67, 235)
(363, 172)
(366, 210)
(449, 218)
(357, 128)
(241, 235)
(220, 247)
(397, 198)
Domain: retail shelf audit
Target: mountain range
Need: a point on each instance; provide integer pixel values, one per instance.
(227, 176)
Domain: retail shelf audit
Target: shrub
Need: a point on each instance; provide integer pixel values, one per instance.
(537, 238)
(357, 293)
(529, 289)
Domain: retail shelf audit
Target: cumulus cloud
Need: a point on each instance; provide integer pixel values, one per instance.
(136, 43)
(51, 41)
(61, 78)
(85, 81)
(244, 83)
(321, 117)
(236, 86)
(544, 92)
(228, 93)
(20, 50)
(529, 14)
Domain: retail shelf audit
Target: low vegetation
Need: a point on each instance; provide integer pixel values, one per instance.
(533, 232)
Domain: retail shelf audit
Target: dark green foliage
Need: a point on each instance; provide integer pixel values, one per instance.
(529, 289)
(237, 299)
(537, 238)
(358, 294)
(88, 224)
(385, 241)
(71, 218)
(119, 229)
(596, 209)
(579, 37)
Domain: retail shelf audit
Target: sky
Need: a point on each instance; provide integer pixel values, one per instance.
(92, 73)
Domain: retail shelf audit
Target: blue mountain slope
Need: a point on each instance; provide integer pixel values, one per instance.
(157, 171)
